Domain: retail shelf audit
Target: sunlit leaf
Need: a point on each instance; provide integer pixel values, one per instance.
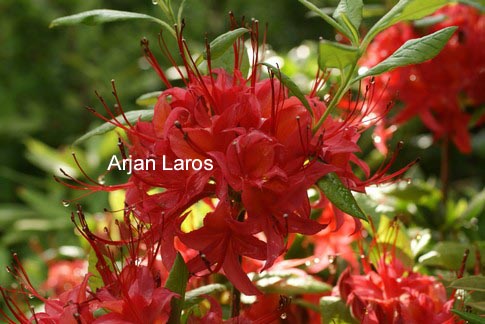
(148, 99)
(340, 196)
(222, 43)
(51, 160)
(288, 283)
(402, 11)
(194, 296)
(336, 55)
(349, 14)
(413, 51)
(101, 16)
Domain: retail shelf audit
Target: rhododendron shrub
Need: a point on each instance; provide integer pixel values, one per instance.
(268, 163)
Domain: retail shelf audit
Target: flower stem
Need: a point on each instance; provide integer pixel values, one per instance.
(235, 302)
(236, 294)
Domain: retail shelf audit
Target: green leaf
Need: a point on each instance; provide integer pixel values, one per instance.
(429, 21)
(336, 55)
(449, 255)
(194, 296)
(480, 305)
(177, 283)
(469, 317)
(402, 11)
(334, 311)
(131, 116)
(148, 99)
(349, 14)
(290, 85)
(476, 207)
(413, 51)
(50, 159)
(95, 281)
(340, 196)
(287, 283)
(45, 207)
(101, 16)
(221, 44)
(9, 213)
(469, 283)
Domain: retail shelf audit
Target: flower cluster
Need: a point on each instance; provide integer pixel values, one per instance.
(437, 91)
(265, 155)
(265, 148)
(394, 294)
(131, 292)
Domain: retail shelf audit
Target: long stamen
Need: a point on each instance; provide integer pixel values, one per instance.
(153, 62)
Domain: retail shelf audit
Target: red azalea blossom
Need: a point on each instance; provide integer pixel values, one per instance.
(394, 294)
(255, 152)
(130, 293)
(438, 90)
(334, 242)
(63, 275)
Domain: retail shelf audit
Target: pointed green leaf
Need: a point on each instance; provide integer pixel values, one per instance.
(413, 51)
(148, 99)
(334, 311)
(194, 296)
(340, 196)
(131, 116)
(177, 283)
(50, 159)
(469, 283)
(221, 44)
(402, 11)
(336, 55)
(349, 14)
(290, 85)
(469, 317)
(101, 16)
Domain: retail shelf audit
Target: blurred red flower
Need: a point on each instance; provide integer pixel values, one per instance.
(440, 90)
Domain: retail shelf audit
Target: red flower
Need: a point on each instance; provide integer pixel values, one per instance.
(394, 294)
(261, 153)
(63, 275)
(71, 307)
(436, 91)
(139, 299)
